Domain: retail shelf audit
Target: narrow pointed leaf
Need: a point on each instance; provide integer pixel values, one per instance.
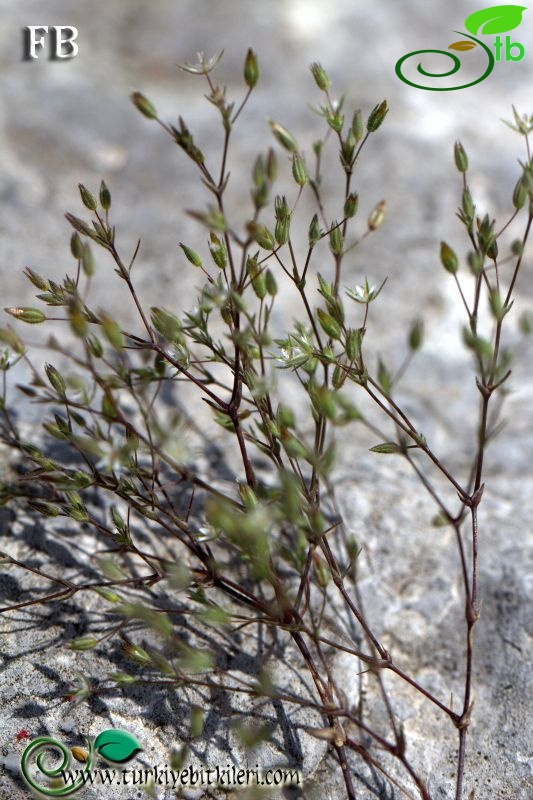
(386, 448)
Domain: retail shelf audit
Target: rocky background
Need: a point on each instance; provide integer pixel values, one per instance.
(66, 122)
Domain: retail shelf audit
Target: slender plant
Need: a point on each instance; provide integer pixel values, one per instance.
(270, 546)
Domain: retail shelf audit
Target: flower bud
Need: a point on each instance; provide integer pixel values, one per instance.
(376, 117)
(320, 76)
(357, 125)
(87, 198)
(77, 317)
(299, 171)
(492, 249)
(37, 280)
(321, 571)
(82, 643)
(136, 653)
(218, 252)
(281, 231)
(107, 594)
(520, 193)
(335, 120)
(56, 379)
(347, 150)
(143, 105)
(112, 332)
(26, 314)
(95, 347)
(416, 335)
(191, 255)
(42, 507)
(87, 260)
(329, 325)
(336, 240)
(286, 417)
(475, 262)
(105, 196)
(263, 237)
(468, 205)
(496, 305)
(76, 245)
(281, 208)
(80, 226)
(485, 235)
(258, 278)
(166, 324)
(283, 136)
(258, 171)
(251, 69)
(448, 258)
(351, 204)
(353, 344)
(461, 159)
(9, 337)
(271, 166)
(270, 283)
(314, 231)
(377, 215)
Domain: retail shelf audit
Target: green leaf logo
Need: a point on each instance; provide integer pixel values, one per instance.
(496, 19)
(116, 746)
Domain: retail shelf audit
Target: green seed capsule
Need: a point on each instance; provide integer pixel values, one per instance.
(251, 69)
(448, 258)
(191, 255)
(336, 241)
(270, 283)
(319, 74)
(416, 336)
(520, 193)
(376, 116)
(25, 314)
(314, 231)
(87, 260)
(377, 215)
(299, 171)
(351, 204)
(105, 196)
(76, 245)
(281, 231)
(284, 137)
(357, 125)
(113, 333)
(88, 199)
(56, 379)
(329, 325)
(461, 159)
(143, 105)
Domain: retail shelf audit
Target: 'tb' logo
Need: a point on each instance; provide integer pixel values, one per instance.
(486, 21)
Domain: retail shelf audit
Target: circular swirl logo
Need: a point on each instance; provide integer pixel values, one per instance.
(40, 750)
(456, 67)
(57, 779)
